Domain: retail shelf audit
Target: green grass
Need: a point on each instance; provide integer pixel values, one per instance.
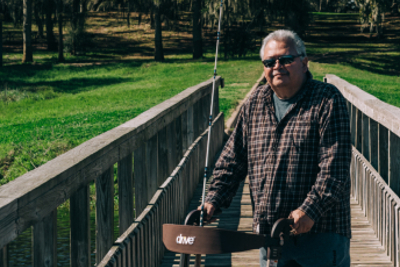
(87, 101)
(49, 108)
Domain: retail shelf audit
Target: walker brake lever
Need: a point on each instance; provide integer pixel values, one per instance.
(193, 217)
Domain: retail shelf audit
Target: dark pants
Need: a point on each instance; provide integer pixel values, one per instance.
(313, 250)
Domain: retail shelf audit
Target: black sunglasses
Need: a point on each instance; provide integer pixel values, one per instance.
(283, 60)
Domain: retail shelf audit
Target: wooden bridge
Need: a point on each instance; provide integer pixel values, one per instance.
(158, 158)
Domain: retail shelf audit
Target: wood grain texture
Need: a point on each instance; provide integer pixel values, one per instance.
(45, 241)
(125, 190)
(80, 227)
(4, 257)
(48, 186)
(104, 213)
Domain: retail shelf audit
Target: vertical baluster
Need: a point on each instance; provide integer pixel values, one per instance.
(353, 124)
(104, 213)
(397, 236)
(141, 179)
(383, 146)
(359, 136)
(394, 163)
(373, 143)
(196, 120)
(125, 193)
(184, 132)
(216, 100)
(171, 145)
(45, 241)
(80, 227)
(4, 257)
(190, 126)
(163, 157)
(365, 137)
(134, 254)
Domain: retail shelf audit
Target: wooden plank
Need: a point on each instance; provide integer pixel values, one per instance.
(358, 129)
(4, 257)
(104, 213)
(163, 158)
(151, 167)
(184, 132)
(190, 126)
(353, 125)
(394, 163)
(171, 146)
(374, 139)
(45, 241)
(140, 179)
(178, 140)
(365, 136)
(80, 227)
(8, 220)
(383, 149)
(125, 190)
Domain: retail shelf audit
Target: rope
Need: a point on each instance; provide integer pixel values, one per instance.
(210, 118)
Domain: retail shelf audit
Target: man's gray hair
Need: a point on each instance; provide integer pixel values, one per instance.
(285, 36)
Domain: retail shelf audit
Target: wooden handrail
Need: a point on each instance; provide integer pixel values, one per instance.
(159, 136)
(375, 172)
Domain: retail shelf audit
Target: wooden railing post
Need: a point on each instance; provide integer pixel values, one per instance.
(140, 179)
(373, 142)
(394, 163)
(163, 158)
(365, 137)
(125, 189)
(80, 227)
(184, 132)
(190, 127)
(358, 129)
(171, 147)
(104, 213)
(353, 125)
(45, 241)
(4, 257)
(383, 145)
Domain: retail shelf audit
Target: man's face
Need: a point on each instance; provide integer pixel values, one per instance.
(289, 76)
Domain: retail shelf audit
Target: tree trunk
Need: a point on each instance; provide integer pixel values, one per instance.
(38, 19)
(51, 40)
(1, 42)
(140, 18)
(159, 53)
(74, 26)
(60, 32)
(27, 26)
(197, 40)
(152, 24)
(128, 13)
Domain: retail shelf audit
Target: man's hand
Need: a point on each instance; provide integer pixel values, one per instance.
(208, 209)
(302, 223)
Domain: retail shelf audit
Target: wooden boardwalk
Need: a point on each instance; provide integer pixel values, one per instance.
(365, 250)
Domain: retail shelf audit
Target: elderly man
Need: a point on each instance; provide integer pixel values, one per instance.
(293, 141)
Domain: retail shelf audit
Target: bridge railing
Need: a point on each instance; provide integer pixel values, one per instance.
(147, 149)
(375, 167)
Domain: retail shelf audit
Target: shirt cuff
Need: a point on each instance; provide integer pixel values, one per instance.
(311, 209)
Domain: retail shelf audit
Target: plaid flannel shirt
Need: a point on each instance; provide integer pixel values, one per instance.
(302, 162)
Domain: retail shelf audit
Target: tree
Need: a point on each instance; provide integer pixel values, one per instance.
(60, 31)
(27, 30)
(37, 6)
(51, 40)
(197, 39)
(158, 52)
